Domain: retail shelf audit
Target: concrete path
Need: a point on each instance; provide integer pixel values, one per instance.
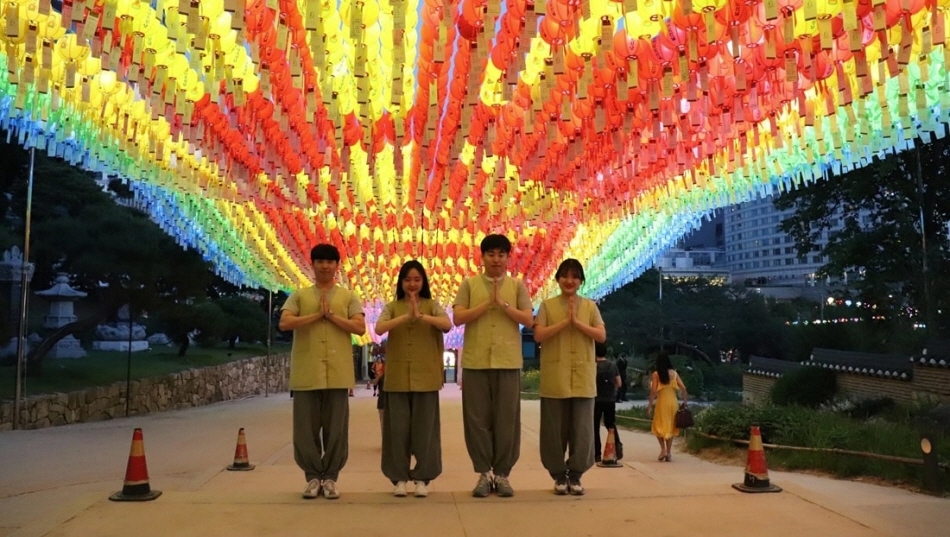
(57, 481)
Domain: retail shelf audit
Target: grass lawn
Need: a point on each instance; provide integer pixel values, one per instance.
(101, 368)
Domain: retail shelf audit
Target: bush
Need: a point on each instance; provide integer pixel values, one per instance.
(807, 386)
(866, 408)
(692, 376)
(531, 381)
(804, 427)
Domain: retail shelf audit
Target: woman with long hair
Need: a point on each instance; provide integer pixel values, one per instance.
(411, 424)
(663, 385)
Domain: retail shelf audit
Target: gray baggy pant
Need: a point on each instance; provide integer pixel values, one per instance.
(412, 428)
(566, 427)
(491, 411)
(321, 432)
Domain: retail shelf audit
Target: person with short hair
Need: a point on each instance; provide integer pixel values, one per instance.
(568, 326)
(492, 305)
(605, 406)
(323, 317)
(411, 423)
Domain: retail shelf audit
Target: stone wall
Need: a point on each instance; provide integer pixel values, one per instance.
(932, 380)
(871, 387)
(194, 387)
(926, 383)
(756, 389)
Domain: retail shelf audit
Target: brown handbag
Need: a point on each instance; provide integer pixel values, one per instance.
(684, 417)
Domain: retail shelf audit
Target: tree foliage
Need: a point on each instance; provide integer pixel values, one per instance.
(694, 313)
(883, 208)
(114, 253)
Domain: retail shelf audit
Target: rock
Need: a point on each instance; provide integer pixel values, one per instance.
(159, 339)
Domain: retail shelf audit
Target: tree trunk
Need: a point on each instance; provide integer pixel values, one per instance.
(34, 364)
(232, 342)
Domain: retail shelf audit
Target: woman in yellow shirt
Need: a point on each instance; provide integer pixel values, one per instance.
(567, 327)
(413, 378)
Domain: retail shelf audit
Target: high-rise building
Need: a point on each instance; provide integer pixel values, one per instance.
(759, 253)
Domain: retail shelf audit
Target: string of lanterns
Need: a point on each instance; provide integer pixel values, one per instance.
(395, 129)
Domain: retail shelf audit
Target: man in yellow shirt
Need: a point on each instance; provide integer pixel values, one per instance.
(492, 305)
(323, 318)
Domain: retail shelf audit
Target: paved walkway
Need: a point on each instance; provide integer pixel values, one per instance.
(57, 482)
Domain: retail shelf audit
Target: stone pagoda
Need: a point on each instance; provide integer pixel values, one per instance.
(61, 297)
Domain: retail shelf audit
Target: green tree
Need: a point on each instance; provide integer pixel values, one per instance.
(244, 319)
(889, 209)
(114, 253)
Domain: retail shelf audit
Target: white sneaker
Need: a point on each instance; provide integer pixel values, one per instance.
(400, 490)
(421, 490)
(313, 489)
(329, 489)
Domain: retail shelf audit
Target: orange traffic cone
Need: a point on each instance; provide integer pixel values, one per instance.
(756, 471)
(136, 488)
(609, 460)
(240, 454)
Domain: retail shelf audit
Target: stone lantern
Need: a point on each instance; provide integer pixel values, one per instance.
(61, 297)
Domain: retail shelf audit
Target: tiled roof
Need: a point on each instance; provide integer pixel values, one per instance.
(936, 353)
(770, 367)
(893, 366)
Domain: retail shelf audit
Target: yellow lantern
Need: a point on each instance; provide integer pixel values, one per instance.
(13, 20)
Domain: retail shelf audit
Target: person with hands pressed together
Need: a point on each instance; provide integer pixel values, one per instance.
(567, 326)
(411, 422)
(492, 305)
(323, 318)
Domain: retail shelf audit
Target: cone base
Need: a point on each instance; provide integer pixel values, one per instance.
(741, 487)
(609, 464)
(241, 467)
(122, 497)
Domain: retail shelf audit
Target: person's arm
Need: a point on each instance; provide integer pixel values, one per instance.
(597, 333)
(387, 322)
(521, 311)
(291, 321)
(439, 321)
(543, 331)
(354, 325)
(592, 327)
(682, 387)
(618, 381)
(462, 311)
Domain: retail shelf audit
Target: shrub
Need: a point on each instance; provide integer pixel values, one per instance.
(692, 376)
(866, 408)
(531, 380)
(807, 386)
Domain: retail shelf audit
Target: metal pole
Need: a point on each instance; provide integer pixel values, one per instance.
(24, 292)
(270, 321)
(128, 367)
(660, 269)
(928, 310)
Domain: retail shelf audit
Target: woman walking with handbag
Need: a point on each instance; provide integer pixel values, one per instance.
(663, 385)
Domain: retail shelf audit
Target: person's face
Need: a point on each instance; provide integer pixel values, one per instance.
(325, 270)
(412, 283)
(569, 282)
(495, 262)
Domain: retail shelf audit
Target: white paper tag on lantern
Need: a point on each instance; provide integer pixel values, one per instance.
(90, 26)
(70, 74)
(28, 70)
(12, 16)
(32, 36)
(79, 11)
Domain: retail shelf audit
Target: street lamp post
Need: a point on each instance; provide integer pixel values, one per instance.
(24, 293)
